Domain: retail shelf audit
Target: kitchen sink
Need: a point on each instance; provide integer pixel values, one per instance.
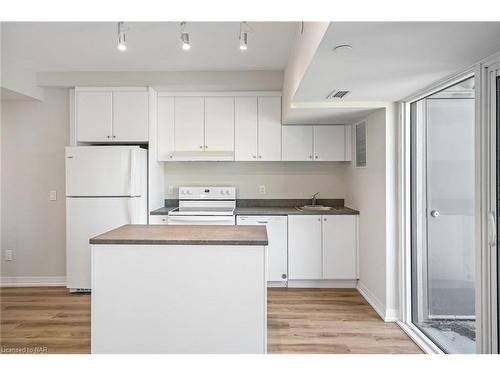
(316, 207)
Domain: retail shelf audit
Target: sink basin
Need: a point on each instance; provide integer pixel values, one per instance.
(316, 207)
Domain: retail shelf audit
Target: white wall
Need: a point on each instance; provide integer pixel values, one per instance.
(373, 191)
(282, 179)
(33, 138)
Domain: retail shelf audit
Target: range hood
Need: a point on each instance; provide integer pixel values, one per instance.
(202, 156)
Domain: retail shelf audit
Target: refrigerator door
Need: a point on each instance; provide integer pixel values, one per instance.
(105, 171)
(89, 217)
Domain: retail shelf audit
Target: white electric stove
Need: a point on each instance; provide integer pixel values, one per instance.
(204, 205)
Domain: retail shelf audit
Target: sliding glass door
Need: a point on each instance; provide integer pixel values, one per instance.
(442, 217)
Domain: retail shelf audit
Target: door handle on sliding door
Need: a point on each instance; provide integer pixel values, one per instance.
(492, 229)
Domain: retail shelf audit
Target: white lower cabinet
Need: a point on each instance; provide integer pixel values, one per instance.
(277, 249)
(322, 247)
(304, 247)
(339, 242)
(158, 219)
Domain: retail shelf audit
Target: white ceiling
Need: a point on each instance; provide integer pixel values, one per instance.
(91, 46)
(391, 60)
(331, 116)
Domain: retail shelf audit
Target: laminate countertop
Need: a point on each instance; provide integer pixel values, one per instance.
(248, 235)
(257, 211)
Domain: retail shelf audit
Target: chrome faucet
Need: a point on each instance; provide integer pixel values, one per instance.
(313, 199)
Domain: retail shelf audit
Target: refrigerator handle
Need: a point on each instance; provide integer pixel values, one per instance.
(132, 173)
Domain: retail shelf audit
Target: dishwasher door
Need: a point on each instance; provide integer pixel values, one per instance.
(277, 250)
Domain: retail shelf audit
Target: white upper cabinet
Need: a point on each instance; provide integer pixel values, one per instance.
(297, 143)
(130, 116)
(219, 127)
(189, 117)
(245, 128)
(316, 143)
(165, 128)
(304, 247)
(219, 123)
(94, 116)
(329, 143)
(111, 115)
(339, 242)
(269, 128)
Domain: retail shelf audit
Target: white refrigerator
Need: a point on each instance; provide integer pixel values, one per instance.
(106, 187)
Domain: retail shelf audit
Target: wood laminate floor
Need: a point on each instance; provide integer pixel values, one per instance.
(50, 320)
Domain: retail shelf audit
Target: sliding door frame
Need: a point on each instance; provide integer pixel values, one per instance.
(405, 225)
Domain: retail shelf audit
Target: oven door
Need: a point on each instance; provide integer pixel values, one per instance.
(201, 220)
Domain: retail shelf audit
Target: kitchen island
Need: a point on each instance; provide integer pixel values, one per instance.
(179, 289)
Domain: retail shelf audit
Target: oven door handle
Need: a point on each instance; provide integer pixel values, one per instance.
(200, 218)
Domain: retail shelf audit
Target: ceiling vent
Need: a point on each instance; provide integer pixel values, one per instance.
(337, 94)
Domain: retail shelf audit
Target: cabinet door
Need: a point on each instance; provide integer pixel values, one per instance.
(219, 124)
(277, 256)
(339, 247)
(269, 132)
(130, 116)
(304, 247)
(94, 116)
(245, 128)
(348, 143)
(158, 219)
(297, 143)
(189, 118)
(165, 131)
(329, 143)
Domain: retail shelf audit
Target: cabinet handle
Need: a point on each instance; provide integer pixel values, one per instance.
(319, 219)
(114, 136)
(260, 156)
(316, 156)
(310, 156)
(201, 146)
(283, 276)
(255, 157)
(262, 222)
(324, 219)
(108, 136)
(206, 146)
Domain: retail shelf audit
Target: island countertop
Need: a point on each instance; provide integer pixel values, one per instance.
(248, 235)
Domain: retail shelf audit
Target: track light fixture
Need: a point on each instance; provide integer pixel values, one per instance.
(122, 42)
(244, 30)
(185, 37)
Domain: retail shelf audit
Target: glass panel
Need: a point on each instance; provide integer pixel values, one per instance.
(498, 201)
(443, 279)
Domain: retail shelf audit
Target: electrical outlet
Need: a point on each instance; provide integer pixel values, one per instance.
(170, 190)
(53, 195)
(8, 255)
(262, 189)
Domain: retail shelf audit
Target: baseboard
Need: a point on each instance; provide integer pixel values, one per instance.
(322, 283)
(387, 315)
(25, 281)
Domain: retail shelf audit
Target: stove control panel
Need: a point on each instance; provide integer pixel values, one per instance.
(207, 192)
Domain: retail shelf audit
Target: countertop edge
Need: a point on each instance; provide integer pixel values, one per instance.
(180, 242)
